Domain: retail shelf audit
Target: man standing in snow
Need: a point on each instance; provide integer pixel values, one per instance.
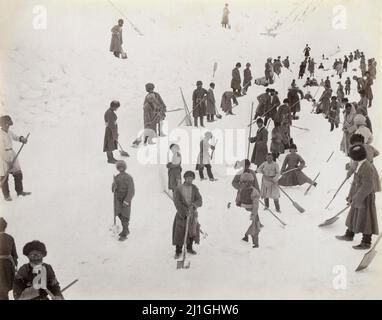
(236, 80)
(211, 106)
(204, 157)
(294, 100)
(199, 106)
(124, 191)
(225, 19)
(236, 180)
(247, 78)
(151, 113)
(264, 100)
(159, 107)
(116, 39)
(186, 200)
(110, 142)
(261, 139)
(269, 71)
(307, 51)
(10, 163)
(362, 217)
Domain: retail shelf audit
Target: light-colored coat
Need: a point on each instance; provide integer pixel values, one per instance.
(116, 39)
(7, 152)
(211, 107)
(269, 185)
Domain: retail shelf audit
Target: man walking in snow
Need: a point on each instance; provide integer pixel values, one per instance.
(199, 97)
(236, 80)
(261, 139)
(204, 157)
(247, 78)
(110, 142)
(10, 164)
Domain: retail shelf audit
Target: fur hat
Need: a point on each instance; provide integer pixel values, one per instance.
(4, 120)
(121, 163)
(357, 153)
(199, 83)
(114, 104)
(34, 245)
(293, 146)
(248, 64)
(246, 177)
(357, 138)
(359, 120)
(3, 224)
(189, 174)
(149, 87)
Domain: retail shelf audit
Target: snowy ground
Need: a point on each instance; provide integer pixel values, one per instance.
(57, 83)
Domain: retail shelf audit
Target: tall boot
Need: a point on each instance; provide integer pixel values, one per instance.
(212, 118)
(348, 236)
(5, 188)
(110, 157)
(18, 176)
(365, 243)
(277, 205)
(195, 121)
(125, 227)
(255, 241)
(201, 121)
(190, 250)
(266, 202)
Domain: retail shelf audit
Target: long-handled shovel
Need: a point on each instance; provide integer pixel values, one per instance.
(369, 256)
(250, 130)
(305, 129)
(310, 186)
(215, 68)
(283, 224)
(330, 156)
(339, 188)
(298, 168)
(122, 152)
(69, 285)
(181, 264)
(13, 162)
(333, 219)
(295, 204)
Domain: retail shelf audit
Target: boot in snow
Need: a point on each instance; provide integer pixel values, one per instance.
(345, 237)
(24, 193)
(362, 246)
(245, 238)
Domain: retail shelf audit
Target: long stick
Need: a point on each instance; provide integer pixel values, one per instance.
(13, 162)
(212, 153)
(128, 20)
(69, 285)
(250, 130)
(215, 68)
(193, 109)
(298, 168)
(295, 204)
(310, 186)
(330, 156)
(305, 129)
(339, 188)
(282, 222)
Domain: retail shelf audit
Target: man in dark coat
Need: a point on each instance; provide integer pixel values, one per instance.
(8, 261)
(362, 217)
(294, 101)
(123, 189)
(271, 112)
(264, 100)
(260, 150)
(236, 80)
(269, 71)
(247, 78)
(307, 51)
(199, 106)
(368, 91)
(36, 280)
(186, 199)
(110, 142)
(226, 103)
(211, 103)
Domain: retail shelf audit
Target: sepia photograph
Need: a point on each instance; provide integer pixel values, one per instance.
(190, 150)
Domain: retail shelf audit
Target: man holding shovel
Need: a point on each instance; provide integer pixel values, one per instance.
(110, 142)
(123, 188)
(186, 200)
(10, 163)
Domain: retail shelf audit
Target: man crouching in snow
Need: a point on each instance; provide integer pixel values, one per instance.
(186, 199)
(248, 198)
(36, 280)
(362, 217)
(9, 163)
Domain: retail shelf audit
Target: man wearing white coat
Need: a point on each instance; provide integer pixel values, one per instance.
(7, 157)
(204, 157)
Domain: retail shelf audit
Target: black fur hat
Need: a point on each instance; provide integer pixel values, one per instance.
(357, 153)
(34, 245)
(114, 104)
(189, 174)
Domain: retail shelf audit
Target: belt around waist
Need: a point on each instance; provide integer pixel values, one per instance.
(8, 149)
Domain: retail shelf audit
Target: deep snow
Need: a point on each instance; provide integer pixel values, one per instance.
(57, 83)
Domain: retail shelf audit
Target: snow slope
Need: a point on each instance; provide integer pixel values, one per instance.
(57, 83)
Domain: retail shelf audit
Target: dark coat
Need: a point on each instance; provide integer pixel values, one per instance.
(247, 78)
(111, 131)
(294, 101)
(264, 100)
(325, 100)
(296, 177)
(236, 79)
(275, 103)
(211, 103)
(260, 150)
(237, 185)
(179, 226)
(124, 191)
(24, 279)
(199, 104)
(116, 39)
(362, 217)
(226, 103)
(8, 262)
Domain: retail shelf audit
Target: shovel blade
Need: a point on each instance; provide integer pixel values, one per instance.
(298, 207)
(328, 222)
(367, 259)
(124, 153)
(182, 264)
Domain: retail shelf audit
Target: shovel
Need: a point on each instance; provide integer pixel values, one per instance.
(369, 256)
(310, 186)
(332, 219)
(182, 263)
(122, 152)
(295, 204)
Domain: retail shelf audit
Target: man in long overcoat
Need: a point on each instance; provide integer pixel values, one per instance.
(199, 105)
(116, 39)
(260, 150)
(236, 80)
(110, 142)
